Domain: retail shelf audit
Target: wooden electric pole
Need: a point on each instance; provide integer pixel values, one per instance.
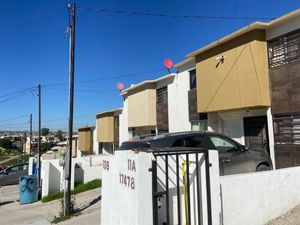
(38, 164)
(68, 156)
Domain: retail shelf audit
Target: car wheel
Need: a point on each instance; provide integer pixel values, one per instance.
(262, 167)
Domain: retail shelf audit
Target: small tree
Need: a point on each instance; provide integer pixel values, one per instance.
(45, 131)
(59, 135)
(5, 143)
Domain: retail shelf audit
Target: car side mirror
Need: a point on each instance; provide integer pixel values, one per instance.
(243, 148)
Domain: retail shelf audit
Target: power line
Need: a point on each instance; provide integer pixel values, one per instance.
(65, 89)
(17, 92)
(108, 77)
(14, 97)
(51, 120)
(14, 118)
(138, 13)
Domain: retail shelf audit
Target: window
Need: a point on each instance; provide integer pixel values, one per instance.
(193, 83)
(287, 129)
(284, 50)
(13, 169)
(194, 142)
(162, 95)
(25, 167)
(223, 144)
(201, 124)
(116, 121)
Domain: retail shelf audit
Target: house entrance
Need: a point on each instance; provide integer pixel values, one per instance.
(256, 132)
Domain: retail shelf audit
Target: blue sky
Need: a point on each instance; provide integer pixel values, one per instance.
(34, 49)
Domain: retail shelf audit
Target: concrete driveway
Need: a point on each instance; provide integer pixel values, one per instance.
(12, 213)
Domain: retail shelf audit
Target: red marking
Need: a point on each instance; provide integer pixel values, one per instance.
(168, 63)
(120, 86)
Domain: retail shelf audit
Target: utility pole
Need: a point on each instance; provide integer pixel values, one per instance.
(30, 134)
(68, 156)
(38, 164)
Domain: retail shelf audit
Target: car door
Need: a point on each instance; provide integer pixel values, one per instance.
(231, 159)
(11, 176)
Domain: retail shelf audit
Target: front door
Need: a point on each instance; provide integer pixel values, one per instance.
(256, 132)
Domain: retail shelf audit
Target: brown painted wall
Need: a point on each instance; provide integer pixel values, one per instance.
(142, 108)
(193, 113)
(241, 81)
(105, 128)
(85, 140)
(162, 116)
(285, 86)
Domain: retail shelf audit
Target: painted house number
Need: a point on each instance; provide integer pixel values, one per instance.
(126, 180)
(105, 165)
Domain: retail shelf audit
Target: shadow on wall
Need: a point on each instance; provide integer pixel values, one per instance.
(55, 177)
(79, 173)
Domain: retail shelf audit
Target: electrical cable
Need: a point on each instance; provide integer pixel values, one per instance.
(14, 97)
(14, 118)
(107, 78)
(138, 13)
(17, 92)
(61, 89)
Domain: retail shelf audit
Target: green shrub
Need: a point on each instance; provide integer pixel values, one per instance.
(78, 189)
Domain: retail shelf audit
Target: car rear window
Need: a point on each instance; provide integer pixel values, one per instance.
(128, 145)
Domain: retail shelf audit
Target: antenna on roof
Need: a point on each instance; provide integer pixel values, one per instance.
(168, 64)
(120, 86)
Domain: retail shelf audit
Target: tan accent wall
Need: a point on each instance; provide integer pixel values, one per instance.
(105, 128)
(142, 108)
(74, 147)
(85, 137)
(241, 81)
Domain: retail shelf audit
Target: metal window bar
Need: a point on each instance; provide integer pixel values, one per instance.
(177, 152)
(284, 50)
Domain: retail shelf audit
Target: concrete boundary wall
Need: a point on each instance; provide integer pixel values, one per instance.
(127, 189)
(84, 169)
(256, 198)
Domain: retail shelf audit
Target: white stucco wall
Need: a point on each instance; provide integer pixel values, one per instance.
(122, 204)
(283, 28)
(129, 201)
(256, 198)
(52, 174)
(123, 123)
(178, 110)
(95, 142)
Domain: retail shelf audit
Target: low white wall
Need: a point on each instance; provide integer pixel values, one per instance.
(84, 169)
(256, 198)
(128, 204)
(126, 190)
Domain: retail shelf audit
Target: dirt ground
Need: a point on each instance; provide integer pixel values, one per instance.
(290, 218)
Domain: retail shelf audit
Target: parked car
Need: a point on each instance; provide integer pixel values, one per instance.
(11, 174)
(234, 158)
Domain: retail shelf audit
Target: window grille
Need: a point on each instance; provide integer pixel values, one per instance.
(161, 95)
(193, 83)
(284, 50)
(287, 129)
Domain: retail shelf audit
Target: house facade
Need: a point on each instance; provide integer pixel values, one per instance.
(107, 131)
(86, 141)
(283, 41)
(247, 85)
(157, 106)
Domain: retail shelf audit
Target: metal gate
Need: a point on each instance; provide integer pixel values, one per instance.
(177, 186)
